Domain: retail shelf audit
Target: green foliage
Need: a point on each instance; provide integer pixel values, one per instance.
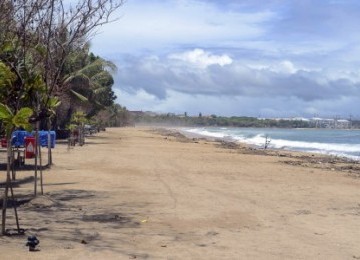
(19, 119)
(114, 116)
(5, 113)
(7, 77)
(79, 96)
(43, 63)
(72, 127)
(214, 120)
(89, 82)
(78, 118)
(90, 79)
(53, 103)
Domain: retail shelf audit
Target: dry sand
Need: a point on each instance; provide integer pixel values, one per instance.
(134, 194)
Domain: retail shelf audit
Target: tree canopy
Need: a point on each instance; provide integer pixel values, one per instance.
(45, 59)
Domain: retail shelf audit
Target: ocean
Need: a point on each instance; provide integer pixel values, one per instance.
(341, 143)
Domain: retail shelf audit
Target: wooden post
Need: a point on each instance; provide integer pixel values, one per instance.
(41, 173)
(8, 180)
(79, 136)
(36, 155)
(8, 186)
(49, 149)
(267, 141)
(15, 209)
(13, 172)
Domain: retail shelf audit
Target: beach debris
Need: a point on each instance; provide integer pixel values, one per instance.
(145, 220)
(302, 212)
(32, 242)
(212, 233)
(171, 133)
(84, 242)
(228, 145)
(267, 142)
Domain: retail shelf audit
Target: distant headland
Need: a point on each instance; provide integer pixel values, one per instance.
(152, 118)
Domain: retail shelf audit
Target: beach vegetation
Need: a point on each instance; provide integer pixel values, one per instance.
(214, 120)
(89, 84)
(44, 59)
(113, 116)
(45, 44)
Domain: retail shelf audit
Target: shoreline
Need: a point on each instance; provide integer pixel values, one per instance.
(349, 158)
(306, 159)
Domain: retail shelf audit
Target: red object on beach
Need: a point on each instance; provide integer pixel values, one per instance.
(3, 142)
(29, 147)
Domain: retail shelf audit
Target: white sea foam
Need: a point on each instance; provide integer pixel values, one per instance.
(206, 133)
(281, 144)
(349, 150)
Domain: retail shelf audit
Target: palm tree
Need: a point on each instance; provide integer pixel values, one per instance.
(88, 86)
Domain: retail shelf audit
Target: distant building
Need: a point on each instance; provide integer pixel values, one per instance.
(342, 124)
(318, 122)
(331, 123)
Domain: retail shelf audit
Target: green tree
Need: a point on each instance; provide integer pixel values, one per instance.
(38, 41)
(10, 120)
(89, 86)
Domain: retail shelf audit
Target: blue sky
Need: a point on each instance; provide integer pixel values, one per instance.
(247, 57)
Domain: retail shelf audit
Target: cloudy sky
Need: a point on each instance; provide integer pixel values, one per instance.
(263, 58)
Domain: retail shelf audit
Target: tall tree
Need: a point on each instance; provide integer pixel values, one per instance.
(40, 37)
(88, 86)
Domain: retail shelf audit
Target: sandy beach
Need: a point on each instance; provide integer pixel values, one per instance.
(135, 193)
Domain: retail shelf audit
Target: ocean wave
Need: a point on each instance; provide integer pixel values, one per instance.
(336, 147)
(206, 133)
(253, 137)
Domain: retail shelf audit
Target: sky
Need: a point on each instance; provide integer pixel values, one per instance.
(263, 58)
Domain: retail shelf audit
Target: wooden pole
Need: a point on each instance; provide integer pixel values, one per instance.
(49, 149)
(15, 209)
(36, 162)
(41, 173)
(13, 172)
(8, 180)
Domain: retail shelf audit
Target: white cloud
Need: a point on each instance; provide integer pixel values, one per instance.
(176, 72)
(177, 102)
(287, 67)
(137, 100)
(282, 67)
(202, 58)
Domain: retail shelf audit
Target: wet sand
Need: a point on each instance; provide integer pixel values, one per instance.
(137, 194)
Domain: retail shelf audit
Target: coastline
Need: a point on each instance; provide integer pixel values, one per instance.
(140, 193)
(285, 148)
(306, 159)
